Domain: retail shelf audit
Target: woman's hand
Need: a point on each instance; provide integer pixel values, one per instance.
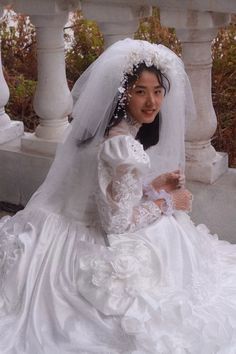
(169, 181)
(182, 199)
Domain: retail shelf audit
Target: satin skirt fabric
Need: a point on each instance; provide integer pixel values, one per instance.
(169, 288)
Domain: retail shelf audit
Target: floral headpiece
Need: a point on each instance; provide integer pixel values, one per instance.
(148, 56)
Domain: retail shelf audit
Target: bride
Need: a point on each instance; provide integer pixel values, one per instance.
(104, 258)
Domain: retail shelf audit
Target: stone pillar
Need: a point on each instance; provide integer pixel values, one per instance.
(116, 21)
(9, 130)
(53, 100)
(196, 30)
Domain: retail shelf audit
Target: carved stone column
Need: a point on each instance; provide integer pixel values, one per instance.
(9, 130)
(196, 30)
(116, 21)
(53, 100)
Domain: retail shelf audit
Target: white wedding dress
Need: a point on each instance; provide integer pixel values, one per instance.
(155, 284)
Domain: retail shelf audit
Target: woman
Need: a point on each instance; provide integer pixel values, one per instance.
(104, 258)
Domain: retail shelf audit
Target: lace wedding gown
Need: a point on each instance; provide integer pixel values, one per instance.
(154, 284)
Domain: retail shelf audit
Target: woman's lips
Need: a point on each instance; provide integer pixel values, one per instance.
(148, 111)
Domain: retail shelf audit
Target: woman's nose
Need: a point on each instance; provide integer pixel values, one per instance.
(150, 100)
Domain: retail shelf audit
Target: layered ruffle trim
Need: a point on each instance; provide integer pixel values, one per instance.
(126, 280)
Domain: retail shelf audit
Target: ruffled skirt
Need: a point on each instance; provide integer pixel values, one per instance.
(169, 288)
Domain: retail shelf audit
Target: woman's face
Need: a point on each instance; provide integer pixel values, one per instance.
(145, 98)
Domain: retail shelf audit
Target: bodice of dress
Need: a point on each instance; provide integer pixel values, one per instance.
(122, 164)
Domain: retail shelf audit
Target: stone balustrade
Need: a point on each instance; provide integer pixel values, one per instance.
(52, 101)
(196, 25)
(196, 31)
(116, 21)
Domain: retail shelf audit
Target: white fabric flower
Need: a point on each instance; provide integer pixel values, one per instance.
(125, 266)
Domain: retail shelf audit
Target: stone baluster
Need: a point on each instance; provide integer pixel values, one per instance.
(116, 21)
(196, 31)
(9, 130)
(52, 100)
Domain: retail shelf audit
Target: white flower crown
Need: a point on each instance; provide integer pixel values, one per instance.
(148, 56)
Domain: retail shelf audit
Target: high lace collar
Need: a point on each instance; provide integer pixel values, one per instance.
(125, 127)
(132, 126)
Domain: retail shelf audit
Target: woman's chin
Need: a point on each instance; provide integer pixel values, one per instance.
(148, 118)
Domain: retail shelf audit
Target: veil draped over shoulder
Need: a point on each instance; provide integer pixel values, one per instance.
(68, 186)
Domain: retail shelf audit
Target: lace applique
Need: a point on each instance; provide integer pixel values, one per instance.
(118, 274)
(10, 248)
(137, 151)
(119, 198)
(146, 214)
(123, 209)
(124, 187)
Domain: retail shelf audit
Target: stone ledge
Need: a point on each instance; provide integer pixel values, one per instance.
(207, 172)
(11, 131)
(215, 205)
(21, 172)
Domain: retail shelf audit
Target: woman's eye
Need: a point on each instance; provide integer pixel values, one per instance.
(158, 92)
(140, 92)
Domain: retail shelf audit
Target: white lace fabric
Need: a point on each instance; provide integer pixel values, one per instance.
(10, 248)
(122, 162)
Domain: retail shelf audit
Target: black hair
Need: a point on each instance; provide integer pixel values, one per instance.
(148, 134)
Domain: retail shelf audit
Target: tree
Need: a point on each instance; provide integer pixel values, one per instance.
(86, 45)
(18, 47)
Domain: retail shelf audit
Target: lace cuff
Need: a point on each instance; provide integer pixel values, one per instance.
(167, 207)
(144, 214)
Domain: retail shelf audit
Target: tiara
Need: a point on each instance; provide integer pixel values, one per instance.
(148, 55)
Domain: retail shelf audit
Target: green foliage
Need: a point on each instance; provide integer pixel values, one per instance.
(150, 29)
(18, 45)
(86, 46)
(223, 91)
(20, 105)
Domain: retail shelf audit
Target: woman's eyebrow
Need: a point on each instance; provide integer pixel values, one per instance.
(143, 87)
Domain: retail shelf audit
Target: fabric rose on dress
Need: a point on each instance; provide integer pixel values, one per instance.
(112, 278)
(125, 266)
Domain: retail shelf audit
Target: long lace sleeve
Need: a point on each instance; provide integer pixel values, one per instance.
(122, 163)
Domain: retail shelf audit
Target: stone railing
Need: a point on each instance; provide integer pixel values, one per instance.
(196, 24)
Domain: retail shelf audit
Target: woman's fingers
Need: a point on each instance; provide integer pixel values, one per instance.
(169, 181)
(182, 199)
(181, 180)
(176, 171)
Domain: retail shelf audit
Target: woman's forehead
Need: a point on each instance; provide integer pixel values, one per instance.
(147, 78)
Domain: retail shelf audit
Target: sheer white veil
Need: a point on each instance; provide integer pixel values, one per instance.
(69, 186)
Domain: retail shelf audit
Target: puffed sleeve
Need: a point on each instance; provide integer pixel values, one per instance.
(122, 164)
